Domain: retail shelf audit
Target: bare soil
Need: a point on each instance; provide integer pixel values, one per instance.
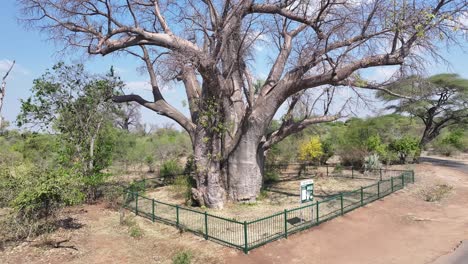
(275, 198)
(95, 235)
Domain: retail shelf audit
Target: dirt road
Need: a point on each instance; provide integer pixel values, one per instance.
(401, 228)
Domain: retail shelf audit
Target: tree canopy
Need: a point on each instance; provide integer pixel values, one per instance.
(440, 101)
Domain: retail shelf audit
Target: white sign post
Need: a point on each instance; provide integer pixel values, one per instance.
(307, 195)
(307, 191)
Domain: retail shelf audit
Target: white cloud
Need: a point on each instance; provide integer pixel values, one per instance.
(17, 69)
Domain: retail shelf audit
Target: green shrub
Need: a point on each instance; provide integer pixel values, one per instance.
(135, 231)
(271, 176)
(169, 169)
(405, 147)
(182, 257)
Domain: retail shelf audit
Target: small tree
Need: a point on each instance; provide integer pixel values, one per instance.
(74, 103)
(311, 150)
(440, 101)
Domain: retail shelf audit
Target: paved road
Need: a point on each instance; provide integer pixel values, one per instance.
(460, 254)
(458, 165)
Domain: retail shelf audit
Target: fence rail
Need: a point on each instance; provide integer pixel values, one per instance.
(248, 235)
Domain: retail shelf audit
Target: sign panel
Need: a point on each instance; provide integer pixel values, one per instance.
(307, 191)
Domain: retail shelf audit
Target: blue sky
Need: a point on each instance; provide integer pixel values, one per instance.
(34, 54)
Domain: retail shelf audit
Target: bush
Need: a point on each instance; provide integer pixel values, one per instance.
(311, 150)
(372, 162)
(353, 156)
(169, 170)
(271, 176)
(405, 147)
(436, 193)
(182, 257)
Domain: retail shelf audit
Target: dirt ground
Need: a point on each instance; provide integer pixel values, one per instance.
(277, 197)
(95, 236)
(401, 228)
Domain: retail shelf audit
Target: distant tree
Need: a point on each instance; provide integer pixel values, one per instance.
(75, 104)
(311, 150)
(3, 90)
(129, 117)
(440, 101)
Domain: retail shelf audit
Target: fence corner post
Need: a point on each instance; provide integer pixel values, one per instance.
(378, 190)
(380, 174)
(152, 210)
(177, 216)
(341, 196)
(317, 211)
(246, 245)
(136, 203)
(206, 225)
(392, 183)
(285, 223)
(362, 196)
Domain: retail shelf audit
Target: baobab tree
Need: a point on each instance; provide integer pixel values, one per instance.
(209, 46)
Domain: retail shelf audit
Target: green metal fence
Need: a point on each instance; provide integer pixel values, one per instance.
(248, 235)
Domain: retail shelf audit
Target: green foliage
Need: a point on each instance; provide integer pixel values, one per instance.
(439, 101)
(271, 175)
(405, 147)
(75, 104)
(169, 170)
(182, 257)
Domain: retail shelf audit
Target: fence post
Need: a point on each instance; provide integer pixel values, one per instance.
(285, 223)
(341, 196)
(246, 247)
(412, 176)
(136, 204)
(352, 172)
(152, 210)
(380, 174)
(144, 184)
(378, 190)
(402, 181)
(327, 170)
(317, 211)
(362, 196)
(206, 225)
(177, 215)
(392, 183)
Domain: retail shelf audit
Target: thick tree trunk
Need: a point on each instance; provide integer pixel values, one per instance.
(238, 179)
(245, 171)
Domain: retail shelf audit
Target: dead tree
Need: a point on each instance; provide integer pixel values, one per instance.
(3, 90)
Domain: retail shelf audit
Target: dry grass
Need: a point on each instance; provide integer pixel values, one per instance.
(275, 198)
(436, 193)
